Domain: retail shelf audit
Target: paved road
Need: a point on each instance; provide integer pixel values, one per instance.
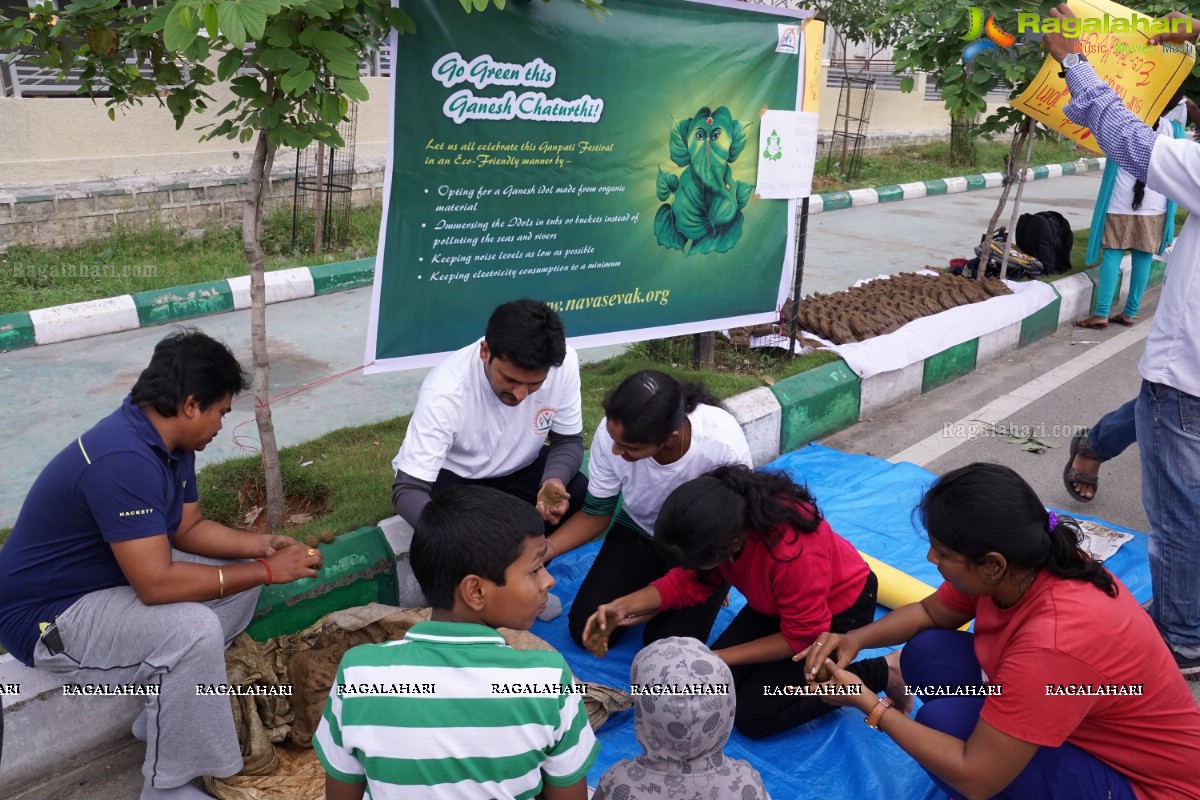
(55, 392)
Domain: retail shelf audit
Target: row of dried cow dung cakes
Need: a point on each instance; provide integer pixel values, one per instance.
(881, 306)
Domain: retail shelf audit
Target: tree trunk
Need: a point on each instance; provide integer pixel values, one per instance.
(256, 196)
(1011, 173)
(319, 203)
(1012, 222)
(704, 351)
(962, 138)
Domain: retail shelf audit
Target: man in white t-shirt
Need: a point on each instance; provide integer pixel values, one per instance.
(1168, 406)
(485, 414)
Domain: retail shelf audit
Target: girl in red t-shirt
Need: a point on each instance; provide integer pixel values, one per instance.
(761, 533)
(1065, 689)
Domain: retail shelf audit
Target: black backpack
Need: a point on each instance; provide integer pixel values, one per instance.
(1046, 236)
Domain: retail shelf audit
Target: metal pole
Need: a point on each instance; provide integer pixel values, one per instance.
(801, 244)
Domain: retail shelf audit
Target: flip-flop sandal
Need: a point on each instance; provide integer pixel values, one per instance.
(1121, 319)
(1070, 474)
(1095, 326)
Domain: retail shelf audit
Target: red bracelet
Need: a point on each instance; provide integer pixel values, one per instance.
(270, 579)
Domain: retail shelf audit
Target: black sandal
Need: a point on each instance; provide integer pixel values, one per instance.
(1080, 446)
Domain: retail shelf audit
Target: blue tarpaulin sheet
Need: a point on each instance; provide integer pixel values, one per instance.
(870, 502)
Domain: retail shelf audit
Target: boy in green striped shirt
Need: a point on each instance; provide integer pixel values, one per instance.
(451, 710)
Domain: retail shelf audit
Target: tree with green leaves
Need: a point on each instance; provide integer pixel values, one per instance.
(292, 67)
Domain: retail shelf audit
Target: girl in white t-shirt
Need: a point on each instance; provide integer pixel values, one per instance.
(656, 435)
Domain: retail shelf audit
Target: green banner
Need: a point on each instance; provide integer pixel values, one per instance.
(605, 165)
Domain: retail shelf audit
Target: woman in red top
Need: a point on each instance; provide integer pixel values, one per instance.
(763, 534)
(1065, 690)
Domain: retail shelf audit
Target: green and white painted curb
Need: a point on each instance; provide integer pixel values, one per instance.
(835, 201)
(161, 306)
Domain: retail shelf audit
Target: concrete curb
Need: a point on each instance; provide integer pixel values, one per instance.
(371, 563)
(163, 306)
(836, 201)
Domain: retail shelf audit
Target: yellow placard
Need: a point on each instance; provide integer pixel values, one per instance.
(814, 43)
(1143, 76)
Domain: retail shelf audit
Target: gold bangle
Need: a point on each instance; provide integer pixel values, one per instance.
(221, 578)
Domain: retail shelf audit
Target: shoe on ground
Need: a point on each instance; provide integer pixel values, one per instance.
(1190, 667)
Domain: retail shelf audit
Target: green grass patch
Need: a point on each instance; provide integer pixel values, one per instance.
(158, 256)
(931, 161)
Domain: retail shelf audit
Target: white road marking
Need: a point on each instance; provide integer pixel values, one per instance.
(937, 445)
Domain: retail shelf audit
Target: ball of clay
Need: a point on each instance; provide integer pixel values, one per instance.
(597, 642)
(824, 673)
(310, 540)
(327, 536)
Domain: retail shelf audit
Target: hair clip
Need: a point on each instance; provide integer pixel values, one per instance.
(649, 384)
(1051, 521)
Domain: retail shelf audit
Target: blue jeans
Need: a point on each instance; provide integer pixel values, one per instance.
(1168, 427)
(1115, 431)
(939, 657)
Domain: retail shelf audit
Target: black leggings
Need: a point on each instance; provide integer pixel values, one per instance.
(760, 715)
(627, 561)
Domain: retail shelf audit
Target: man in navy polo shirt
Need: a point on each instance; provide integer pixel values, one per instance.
(112, 576)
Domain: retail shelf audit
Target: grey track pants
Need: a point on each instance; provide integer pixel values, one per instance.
(111, 637)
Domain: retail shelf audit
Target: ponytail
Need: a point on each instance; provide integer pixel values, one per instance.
(1066, 559)
(984, 508)
(651, 405)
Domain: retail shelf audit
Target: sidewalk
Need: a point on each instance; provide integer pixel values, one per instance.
(56, 391)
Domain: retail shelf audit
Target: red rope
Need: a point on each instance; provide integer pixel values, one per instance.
(256, 447)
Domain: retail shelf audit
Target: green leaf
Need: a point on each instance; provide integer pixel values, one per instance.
(907, 83)
(282, 59)
(353, 88)
(278, 35)
(344, 66)
(229, 64)
(297, 83)
(243, 20)
(329, 41)
(953, 73)
(400, 21)
(298, 139)
(112, 114)
(179, 106)
(212, 23)
(181, 28)
(246, 86)
(331, 108)
(322, 9)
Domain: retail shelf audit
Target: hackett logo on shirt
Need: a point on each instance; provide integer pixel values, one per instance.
(543, 419)
(137, 513)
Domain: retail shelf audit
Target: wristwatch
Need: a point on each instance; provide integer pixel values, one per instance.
(876, 714)
(1071, 60)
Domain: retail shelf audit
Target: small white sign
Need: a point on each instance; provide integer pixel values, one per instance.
(789, 39)
(787, 152)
